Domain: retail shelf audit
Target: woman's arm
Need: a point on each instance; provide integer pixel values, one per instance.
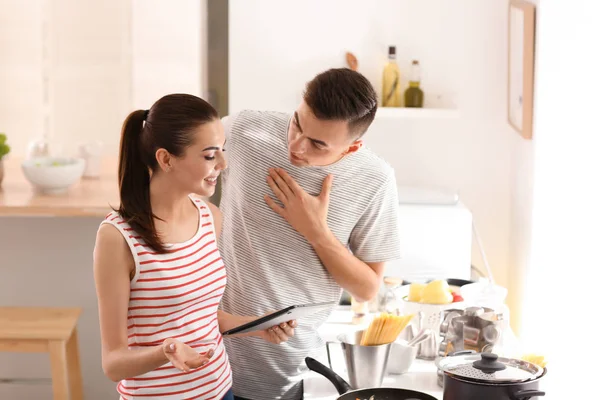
(113, 266)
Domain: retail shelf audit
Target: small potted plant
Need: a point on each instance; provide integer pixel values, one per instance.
(4, 150)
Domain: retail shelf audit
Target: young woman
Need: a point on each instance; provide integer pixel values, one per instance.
(158, 272)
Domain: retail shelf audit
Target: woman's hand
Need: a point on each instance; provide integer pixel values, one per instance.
(184, 357)
(279, 333)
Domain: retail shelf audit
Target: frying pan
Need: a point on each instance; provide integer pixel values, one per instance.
(346, 392)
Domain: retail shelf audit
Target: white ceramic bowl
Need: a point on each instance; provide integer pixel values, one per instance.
(53, 175)
(401, 357)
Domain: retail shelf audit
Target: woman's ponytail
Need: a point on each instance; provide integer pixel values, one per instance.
(134, 181)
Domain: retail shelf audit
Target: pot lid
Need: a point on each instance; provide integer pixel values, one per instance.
(489, 368)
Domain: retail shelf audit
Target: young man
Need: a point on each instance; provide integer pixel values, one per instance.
(307, 211)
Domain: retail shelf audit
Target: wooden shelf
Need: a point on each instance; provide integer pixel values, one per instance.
(415, 113)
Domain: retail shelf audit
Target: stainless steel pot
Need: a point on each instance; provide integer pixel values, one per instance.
(476, 376)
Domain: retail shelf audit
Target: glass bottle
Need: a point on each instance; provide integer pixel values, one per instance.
(391, 81)
(413, 96)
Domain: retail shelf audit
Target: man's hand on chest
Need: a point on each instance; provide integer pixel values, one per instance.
(305, 213)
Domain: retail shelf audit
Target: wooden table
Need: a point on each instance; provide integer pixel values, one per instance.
(86, 198)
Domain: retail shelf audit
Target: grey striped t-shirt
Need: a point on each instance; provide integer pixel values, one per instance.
(271, 266)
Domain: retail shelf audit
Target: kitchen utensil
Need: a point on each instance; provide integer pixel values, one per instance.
(348, 393)
(475, 329)
(366, 365)
(401, 357)
(423, 334)
(426, 316)
(475, 376)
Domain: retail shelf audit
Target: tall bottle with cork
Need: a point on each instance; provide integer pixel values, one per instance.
(391, 81)
(413, 96)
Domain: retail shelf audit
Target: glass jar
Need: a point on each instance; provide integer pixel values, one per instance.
(390, 301)
(360, 311)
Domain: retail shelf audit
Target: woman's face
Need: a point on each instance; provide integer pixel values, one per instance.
(197, 170)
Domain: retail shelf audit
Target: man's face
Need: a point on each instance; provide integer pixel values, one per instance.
(314, 142)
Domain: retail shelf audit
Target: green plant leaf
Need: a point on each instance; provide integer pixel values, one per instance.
(4, 150)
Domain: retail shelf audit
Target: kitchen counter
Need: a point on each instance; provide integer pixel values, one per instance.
(86, 198)
(422, 375)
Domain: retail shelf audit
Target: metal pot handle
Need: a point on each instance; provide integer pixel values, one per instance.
(527, 394)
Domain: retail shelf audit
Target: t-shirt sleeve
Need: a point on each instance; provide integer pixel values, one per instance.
(227, 122)
(376, 236)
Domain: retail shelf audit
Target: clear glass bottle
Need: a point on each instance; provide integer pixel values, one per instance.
(390, 298)
(391, 81)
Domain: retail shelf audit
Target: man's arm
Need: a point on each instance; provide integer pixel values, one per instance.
(359, 278)
(308, 215)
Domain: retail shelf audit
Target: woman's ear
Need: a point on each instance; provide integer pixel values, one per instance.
(164, 159)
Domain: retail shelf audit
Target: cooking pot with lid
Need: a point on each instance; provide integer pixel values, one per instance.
(476, 376)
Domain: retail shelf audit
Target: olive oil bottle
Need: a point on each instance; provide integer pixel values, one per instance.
(413, 96)
(391, 81)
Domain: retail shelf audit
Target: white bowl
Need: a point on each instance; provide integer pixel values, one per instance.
(401, 357)
(53, 175)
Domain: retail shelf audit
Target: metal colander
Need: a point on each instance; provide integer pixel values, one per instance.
(489, 368)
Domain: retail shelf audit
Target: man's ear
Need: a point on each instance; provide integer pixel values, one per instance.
(354, 147)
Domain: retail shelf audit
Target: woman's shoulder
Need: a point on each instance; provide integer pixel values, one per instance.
(215, 212)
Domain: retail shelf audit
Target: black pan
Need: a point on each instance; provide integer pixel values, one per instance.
(346, 392)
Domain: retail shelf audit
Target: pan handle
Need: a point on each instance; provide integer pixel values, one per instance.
(527, 394)
(340, 385)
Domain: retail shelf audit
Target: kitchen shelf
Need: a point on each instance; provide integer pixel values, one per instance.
(415, 113)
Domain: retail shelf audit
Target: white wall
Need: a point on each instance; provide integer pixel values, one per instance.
(90, 71)
(276, 46)
(167, 45)
(106, 58)
(20, 71)
(564, 269)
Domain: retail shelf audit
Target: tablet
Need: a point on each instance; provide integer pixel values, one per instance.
(287, 314)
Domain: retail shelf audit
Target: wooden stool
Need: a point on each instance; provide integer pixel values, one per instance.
(46, 330)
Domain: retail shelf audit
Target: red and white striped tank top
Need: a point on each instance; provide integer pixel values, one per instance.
(176, 295)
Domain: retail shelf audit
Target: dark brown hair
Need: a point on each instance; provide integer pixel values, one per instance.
(169, 124)
(341, 94)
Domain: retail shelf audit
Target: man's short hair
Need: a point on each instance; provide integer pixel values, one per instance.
(341, 94)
